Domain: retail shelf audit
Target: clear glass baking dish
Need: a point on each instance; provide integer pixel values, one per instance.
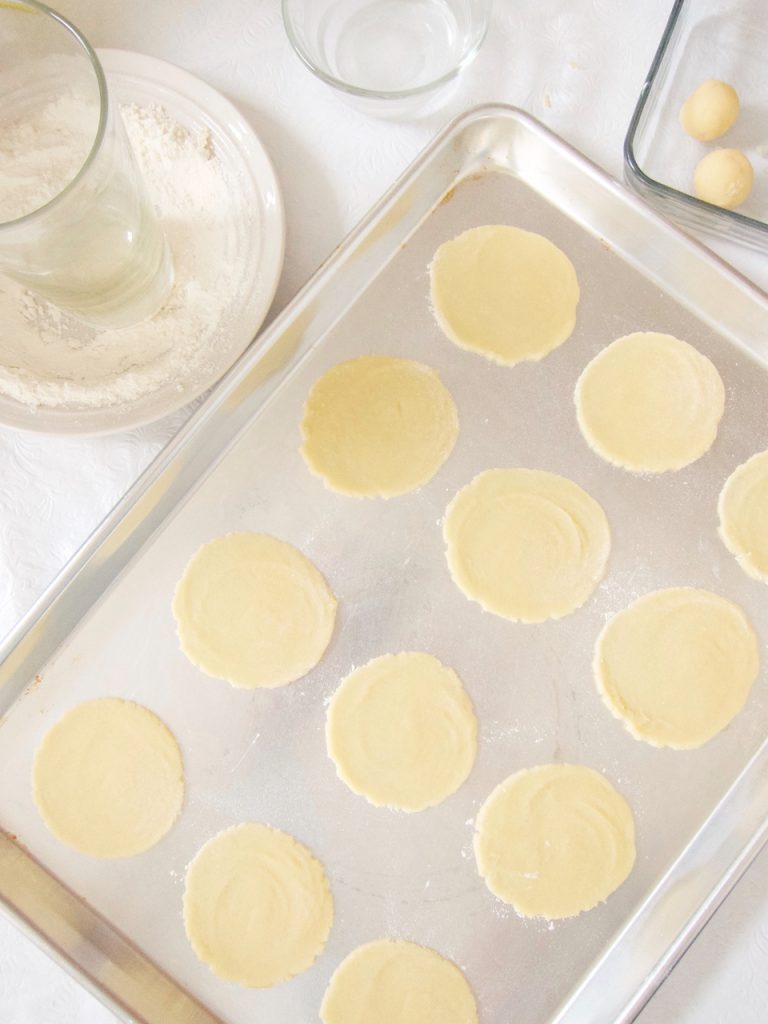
(724, 39)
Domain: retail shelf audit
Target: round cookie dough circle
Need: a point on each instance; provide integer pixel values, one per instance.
(253, 610)
(676, 666)
(508, 294)
(710, 110)
(257, 905)
(402, 732)
(396, 982)
(108, 778)
(554, 840)
(743, 510)
(650, 403)
(724, 178)
(525, 544)
(378, 426)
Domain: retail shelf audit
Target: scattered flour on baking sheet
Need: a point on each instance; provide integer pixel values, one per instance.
(49, 359)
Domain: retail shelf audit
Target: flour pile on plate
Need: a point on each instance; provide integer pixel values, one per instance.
(49, 359)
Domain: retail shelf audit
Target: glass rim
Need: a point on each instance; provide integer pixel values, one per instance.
(34, 6)
(375, 94)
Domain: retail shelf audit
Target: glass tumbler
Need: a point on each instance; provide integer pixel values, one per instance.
(76, 226)
(386, 49)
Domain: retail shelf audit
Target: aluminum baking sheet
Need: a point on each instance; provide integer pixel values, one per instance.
(260, 756)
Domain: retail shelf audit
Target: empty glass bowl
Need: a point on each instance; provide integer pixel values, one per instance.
(386, 50)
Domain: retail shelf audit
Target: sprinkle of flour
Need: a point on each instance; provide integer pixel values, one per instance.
(49, 359)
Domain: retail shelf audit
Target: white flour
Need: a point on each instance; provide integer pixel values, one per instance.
(40, 156)
(49, 359)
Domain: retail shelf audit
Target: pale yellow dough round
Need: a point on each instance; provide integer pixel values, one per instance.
(724, 178)
(257, 906)
(378, 426)
(396, 982)
(710, 110)
(743, 509)
(554, 840)
(677, 666)
(108, 778)
(650, 403)
(401, 731)
(253, 610)
(525, 544)
(509, 294)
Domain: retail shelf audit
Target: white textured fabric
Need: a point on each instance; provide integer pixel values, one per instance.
(576, 66)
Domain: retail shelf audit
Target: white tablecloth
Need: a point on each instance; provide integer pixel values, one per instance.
(576, 66)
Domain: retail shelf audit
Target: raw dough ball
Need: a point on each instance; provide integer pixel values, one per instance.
(257, 906)
(378, 426)
(253, 610)
(506, 293)
(402, 732)
(723, 178)
(525, 544)
(743, 509)
(650, 403)
(554, 840)
(108, 778)
(710, 110)
(397, 982)
(676, 666)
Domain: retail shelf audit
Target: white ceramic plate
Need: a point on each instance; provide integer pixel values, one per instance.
(135, 78)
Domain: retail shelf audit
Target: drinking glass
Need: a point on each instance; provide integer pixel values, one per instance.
(76, 225)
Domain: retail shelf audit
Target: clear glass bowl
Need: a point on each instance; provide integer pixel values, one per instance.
(386, 50)
(725, 39)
